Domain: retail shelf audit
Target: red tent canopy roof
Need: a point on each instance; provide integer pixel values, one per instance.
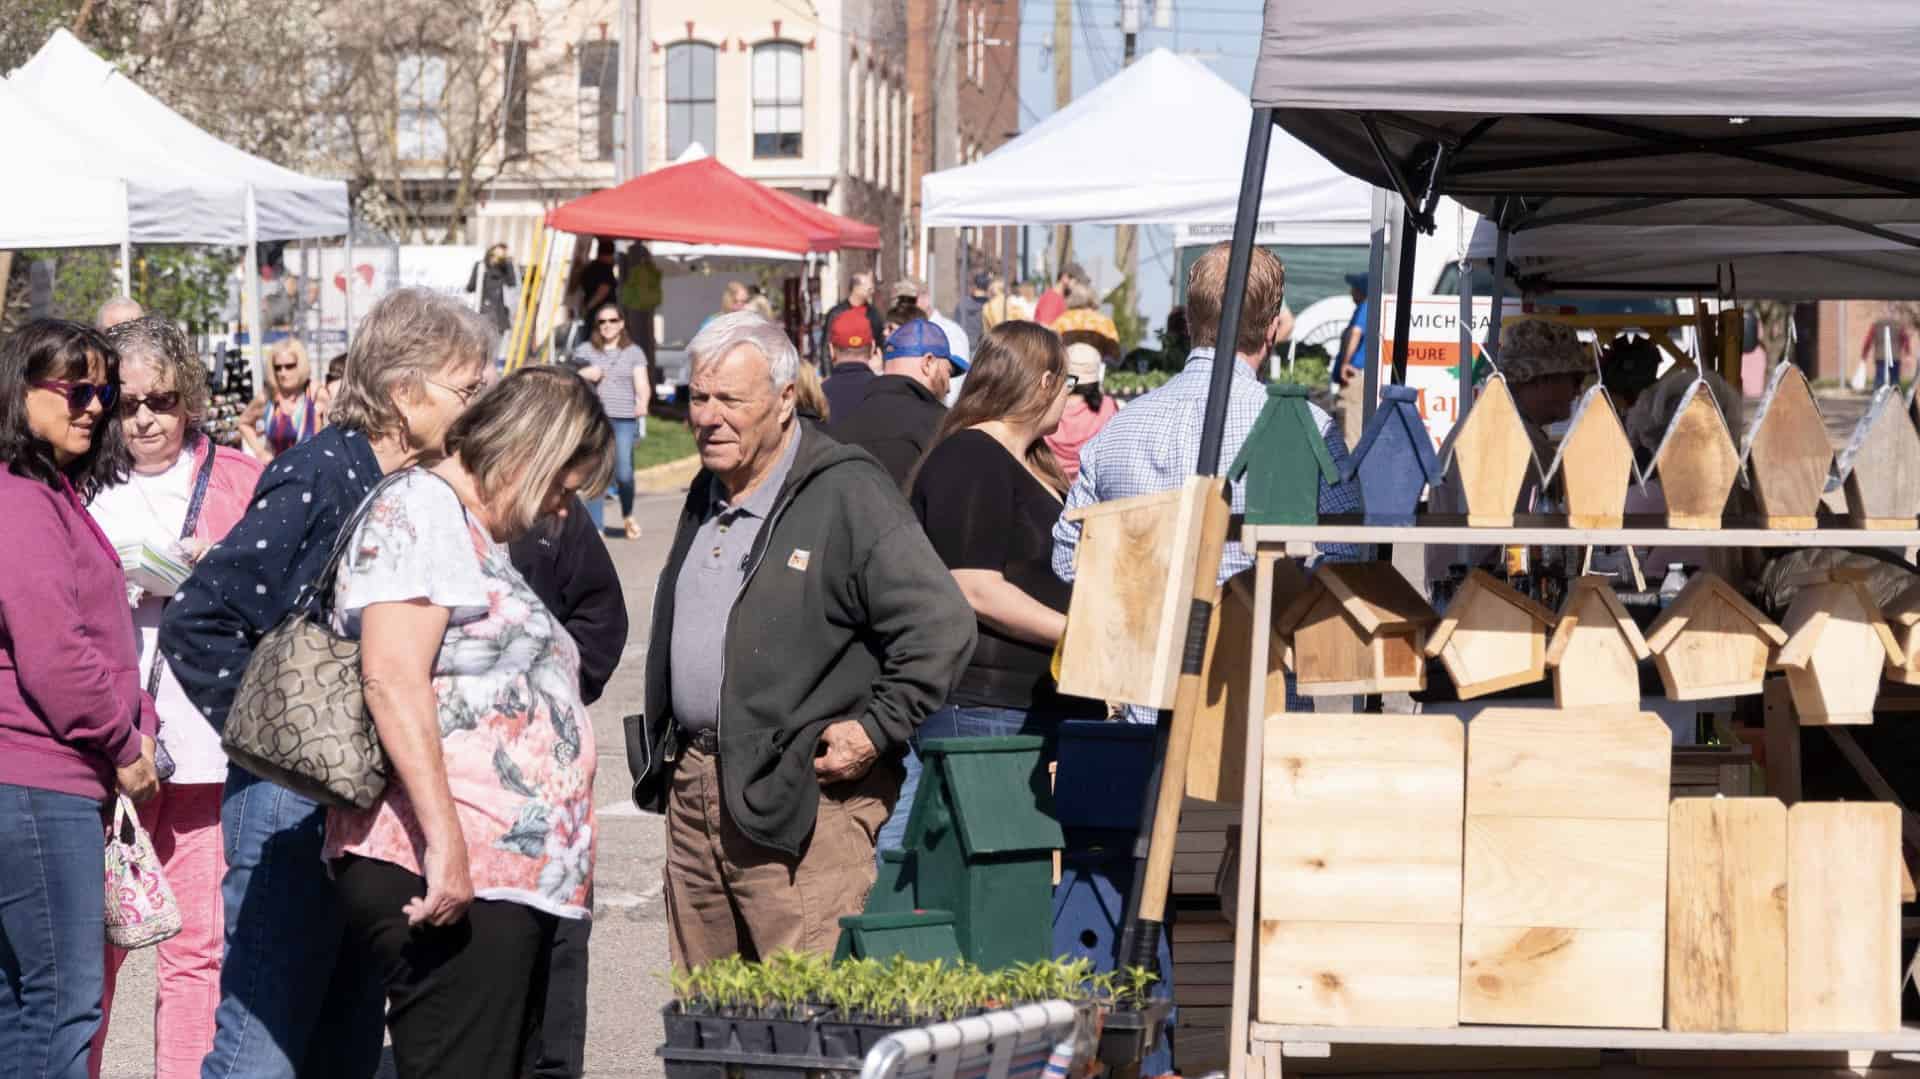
(852, 233)
(704, 202)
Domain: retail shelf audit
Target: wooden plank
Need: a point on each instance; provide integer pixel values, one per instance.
(1350, 973)
(1215, 763)
(1545, 762)
(1565, 872)
(1561, 977)
(1196, 929)
(1843, 917)
(1905, 1040)
(1540, 529)
(1782, 732)
(1727, 915)
(1455, 1061)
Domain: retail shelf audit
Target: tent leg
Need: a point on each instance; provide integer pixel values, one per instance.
(925, 269)
(126, 265)
(1006, 259)
(1499, 294)
(347, 281)
(1403, 291)
(257, 337)
(1466, 337)
(1377, 240)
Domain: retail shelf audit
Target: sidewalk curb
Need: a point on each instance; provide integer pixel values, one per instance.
(669, 476)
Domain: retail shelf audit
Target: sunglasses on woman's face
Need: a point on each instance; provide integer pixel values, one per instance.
(159, 403)
(608, 322)
(286, 366)
(80, 394)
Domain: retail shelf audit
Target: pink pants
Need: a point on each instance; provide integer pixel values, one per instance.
(184, 822)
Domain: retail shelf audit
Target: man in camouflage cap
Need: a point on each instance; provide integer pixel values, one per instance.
(1545, 364)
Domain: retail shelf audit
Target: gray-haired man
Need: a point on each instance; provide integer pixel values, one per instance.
(802, 629)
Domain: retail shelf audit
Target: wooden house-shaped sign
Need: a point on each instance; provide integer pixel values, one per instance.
(1394, 459)
(1594, 463)
(1697, 461)
(1787, 455)
(1491, 638)
(1358, 628)
(1837, 645)
(1596, 649)
(1711, 642)
(1493, 452)
(1880, 468)
(1283, 461)
(1903, 618)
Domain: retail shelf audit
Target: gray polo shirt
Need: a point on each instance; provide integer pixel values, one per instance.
(710, 581)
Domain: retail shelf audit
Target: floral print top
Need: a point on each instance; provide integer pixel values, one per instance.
(517, 741)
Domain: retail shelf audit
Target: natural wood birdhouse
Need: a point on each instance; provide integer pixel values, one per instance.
(1394, 459)
(1711, 642)
(1787, 455)
(1837, 645)
(1491, 637)
(1283, 460)
(1358, 628)
(1697, 461)
(1594, 463)
(1880, 468)
(1903, 618)
(1596, 649)
(1493, 452)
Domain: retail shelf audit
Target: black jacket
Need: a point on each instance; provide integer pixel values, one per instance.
(567, 564)
(895, 422)
(847, 613)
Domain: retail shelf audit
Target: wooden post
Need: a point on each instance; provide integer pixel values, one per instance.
(1246, 913)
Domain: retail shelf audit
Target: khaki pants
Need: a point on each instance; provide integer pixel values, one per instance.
(727, 894)
(1353, 395)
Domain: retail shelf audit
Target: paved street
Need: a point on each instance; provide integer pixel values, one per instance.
(629, 934)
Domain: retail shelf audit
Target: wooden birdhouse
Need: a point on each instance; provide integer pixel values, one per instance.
(1787, 455)
(1493, 452)
(1491, 637)
(1697, 461)
(1394, 459)
(1837, 645)
(1880, 468)
(1594, 463)
(1596, 649)
(1283, 460)
(1357, 628)
(1903, 618)
(1711, 642)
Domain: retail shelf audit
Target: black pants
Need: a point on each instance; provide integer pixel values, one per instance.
(559, 1047)
(460, 998)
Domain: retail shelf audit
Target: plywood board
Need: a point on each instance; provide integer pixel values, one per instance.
(1566, 872)
(1843, 917)
(1545, 762)
(1727, 915)
(1359, 974)
(1561, 977)
(1216, 756)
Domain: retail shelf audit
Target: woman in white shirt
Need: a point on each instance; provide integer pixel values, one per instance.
(183, 495)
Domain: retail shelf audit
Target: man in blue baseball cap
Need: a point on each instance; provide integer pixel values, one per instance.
(1350, 369)
(902, 409)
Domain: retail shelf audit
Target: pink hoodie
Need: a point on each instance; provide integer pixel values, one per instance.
(1078, 425)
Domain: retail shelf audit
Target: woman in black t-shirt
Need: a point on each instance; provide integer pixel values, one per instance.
(988, 492)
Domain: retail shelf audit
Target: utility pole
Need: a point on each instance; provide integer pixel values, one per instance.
(1062, 97)
(1126, 253)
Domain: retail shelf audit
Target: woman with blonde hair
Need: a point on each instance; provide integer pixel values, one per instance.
(290, 411)
(987, 493)
(454, 880)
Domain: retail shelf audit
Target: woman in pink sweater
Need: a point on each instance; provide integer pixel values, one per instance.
(74, 723)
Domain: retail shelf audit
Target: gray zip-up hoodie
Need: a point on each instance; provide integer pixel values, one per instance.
(847, 613)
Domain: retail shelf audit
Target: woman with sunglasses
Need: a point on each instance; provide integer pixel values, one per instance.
(618, 370)
(290, 412)
(182, 496)
(74, 723)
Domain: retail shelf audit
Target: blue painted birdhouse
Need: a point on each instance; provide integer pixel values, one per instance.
(1283, 460)
(1395, 459)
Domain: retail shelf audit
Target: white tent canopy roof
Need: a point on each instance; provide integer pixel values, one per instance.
(183, 185)
(1160, 142)
(60, 201)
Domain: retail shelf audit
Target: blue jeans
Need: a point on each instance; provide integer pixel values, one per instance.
(956, 721)
(52, 931)
(625, 434)
(296, 998)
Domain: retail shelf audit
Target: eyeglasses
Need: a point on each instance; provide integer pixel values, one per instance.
(80, 394)
(286, 366)
(159, 403)
(1071, 382)
(608, 321)
(465, 395)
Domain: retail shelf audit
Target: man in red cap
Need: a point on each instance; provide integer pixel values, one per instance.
(851, 339)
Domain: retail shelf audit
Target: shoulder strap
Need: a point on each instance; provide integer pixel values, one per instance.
(201, 480)
(322, 585)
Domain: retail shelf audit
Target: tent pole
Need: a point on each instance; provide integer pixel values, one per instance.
(1466, 336)
(1403, 293)
(347, 285)
(1378, 237)
(251, 296)
(924, 269)
(126, 264)
(1499, 294)
(1006, 259)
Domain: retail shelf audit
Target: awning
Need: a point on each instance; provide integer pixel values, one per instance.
(60, 201)
(852, 233)
(698, 202)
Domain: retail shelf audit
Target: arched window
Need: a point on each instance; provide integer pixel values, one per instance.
(689, 97)
(778, 99)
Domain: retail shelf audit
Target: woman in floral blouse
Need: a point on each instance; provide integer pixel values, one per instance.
(485, 834)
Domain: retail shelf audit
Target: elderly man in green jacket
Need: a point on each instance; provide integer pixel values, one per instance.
(802, 629)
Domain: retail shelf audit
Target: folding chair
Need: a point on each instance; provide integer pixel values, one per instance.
(1029, 1042)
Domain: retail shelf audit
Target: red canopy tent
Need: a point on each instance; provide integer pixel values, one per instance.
(704, 202)
(852, 233)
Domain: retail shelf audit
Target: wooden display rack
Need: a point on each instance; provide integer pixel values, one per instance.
(1258, 1050)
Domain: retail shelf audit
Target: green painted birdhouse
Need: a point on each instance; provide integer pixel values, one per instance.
(920, 935)
(1283, 461)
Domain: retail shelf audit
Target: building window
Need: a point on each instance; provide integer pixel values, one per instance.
(689, 97)
(420, 85)
(777, 100)
(599, 98)
(513, 102)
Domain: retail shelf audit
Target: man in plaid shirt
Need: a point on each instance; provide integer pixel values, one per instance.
(1152, 444)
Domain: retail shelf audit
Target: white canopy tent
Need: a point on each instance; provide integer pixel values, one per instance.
(61, 201)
